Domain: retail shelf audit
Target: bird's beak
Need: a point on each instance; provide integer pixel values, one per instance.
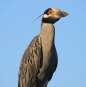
(60, 14)
(63, 14)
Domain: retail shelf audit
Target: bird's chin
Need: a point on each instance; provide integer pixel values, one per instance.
(56, 20)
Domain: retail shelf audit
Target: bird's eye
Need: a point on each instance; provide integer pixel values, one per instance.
(50, 12)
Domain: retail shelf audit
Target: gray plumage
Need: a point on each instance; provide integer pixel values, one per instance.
(40, 59)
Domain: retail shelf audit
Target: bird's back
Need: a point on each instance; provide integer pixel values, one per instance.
(30, 64)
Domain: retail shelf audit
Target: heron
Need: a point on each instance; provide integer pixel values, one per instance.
(40, 59)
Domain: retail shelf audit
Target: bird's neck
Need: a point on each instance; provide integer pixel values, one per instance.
(47, 34)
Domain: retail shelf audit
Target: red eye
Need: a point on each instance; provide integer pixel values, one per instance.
(50, 12)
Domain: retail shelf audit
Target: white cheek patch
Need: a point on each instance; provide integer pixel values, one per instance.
(46, 16)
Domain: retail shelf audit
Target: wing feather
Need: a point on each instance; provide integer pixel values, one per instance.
(30, 64)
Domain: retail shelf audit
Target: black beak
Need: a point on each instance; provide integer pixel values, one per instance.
(63, 14)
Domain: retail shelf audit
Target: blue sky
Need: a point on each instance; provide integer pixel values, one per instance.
(16, 32)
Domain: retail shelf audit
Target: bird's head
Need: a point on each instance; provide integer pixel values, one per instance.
(51, 15)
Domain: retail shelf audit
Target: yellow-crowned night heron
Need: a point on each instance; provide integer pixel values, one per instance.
(40, 59)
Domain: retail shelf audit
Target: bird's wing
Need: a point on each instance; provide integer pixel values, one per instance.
(30, 64)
